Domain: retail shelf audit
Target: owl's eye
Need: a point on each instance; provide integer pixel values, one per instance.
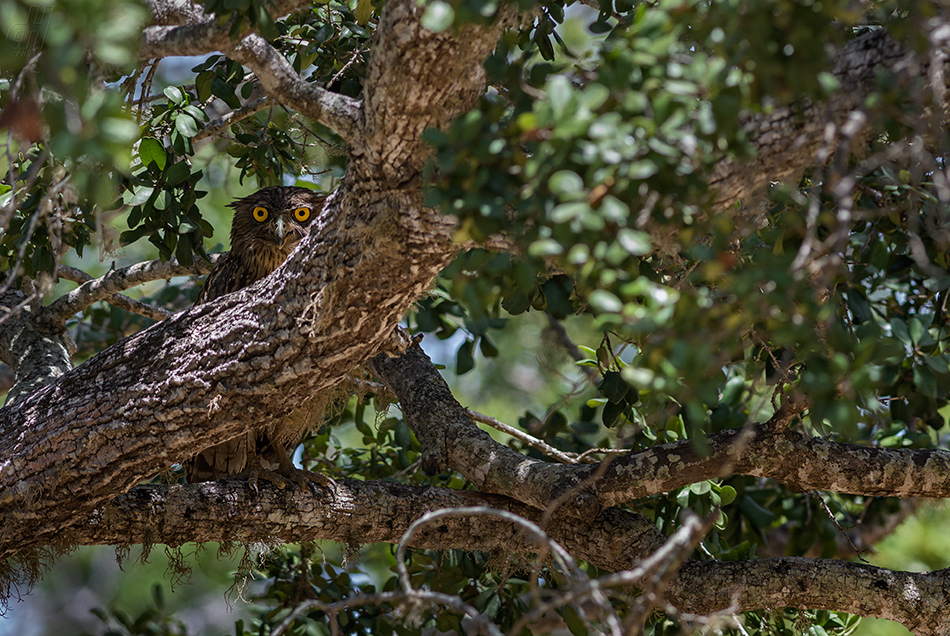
(260, 214)
(302, 214)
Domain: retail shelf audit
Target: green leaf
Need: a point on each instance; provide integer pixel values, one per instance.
(859, 306)
(177, 173)
(265, 24)
(141, 196)
(574, 622)
(186, 125)
(184, 251)
(613, 387)
(364, 11)
(925, 381)
(151, 151)
(727, 494)
(565, 183)
(634, 241)
(174, 94)
(915, 330)
(613, 414)
(203, 85)
(464, 359)
(517, 303)
(900, 330)
(760, 517)
(602, 302)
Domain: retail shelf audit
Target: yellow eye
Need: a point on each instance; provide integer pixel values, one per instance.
(302, 214)
(260, 214)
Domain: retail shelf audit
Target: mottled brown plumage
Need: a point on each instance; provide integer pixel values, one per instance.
(266, 228)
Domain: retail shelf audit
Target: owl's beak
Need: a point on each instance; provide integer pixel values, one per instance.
(279, 230)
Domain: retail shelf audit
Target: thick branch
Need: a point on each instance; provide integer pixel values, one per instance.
(359, 512)
(277, 76)
(431, 75)
(615, 540)
(914, 599)
(792, 139)
(801, 463)
(450, 440)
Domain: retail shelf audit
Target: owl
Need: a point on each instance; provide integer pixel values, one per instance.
(267, 225)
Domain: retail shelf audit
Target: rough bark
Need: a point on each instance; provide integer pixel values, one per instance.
(35, 355)
(451, 441)
(792, 138)
(359, 512)
(917, 600)
(237, 364)
(614, 540)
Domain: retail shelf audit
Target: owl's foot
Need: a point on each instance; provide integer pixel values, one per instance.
(303, 478)
(255, 470)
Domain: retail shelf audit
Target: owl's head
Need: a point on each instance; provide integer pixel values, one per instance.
(274, 218)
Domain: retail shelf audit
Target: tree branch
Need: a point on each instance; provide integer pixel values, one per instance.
(277, 76)
(615, 540)
(35, 355)
(118, 300)
(450, 440)
(800, 463)
(359, 512)
(107, 287)
(217, 125)
(413, 70)
(794, 138)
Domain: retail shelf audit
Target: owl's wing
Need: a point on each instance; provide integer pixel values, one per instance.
(230, 457)
(229, 275)
(220, 461)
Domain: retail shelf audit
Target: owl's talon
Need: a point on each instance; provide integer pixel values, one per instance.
(304, 478)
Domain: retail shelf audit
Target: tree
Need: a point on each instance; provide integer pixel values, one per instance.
(729, 217)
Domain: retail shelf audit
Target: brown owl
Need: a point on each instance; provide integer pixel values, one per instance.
(267, 226)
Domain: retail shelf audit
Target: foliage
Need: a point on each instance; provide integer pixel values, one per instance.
(592, 150)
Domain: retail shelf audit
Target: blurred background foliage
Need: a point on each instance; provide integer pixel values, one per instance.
(630, 317)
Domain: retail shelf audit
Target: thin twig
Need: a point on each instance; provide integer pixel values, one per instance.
(12, 311)
(356, 55)
(534, 442)
(572, 349)
(841, 530)
(217, 125)
(118, 300)
(117, 280)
